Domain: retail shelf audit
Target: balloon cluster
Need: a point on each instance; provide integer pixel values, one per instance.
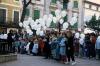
(88, 30)
(42, 23)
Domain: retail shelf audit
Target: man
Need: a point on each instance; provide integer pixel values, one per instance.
(10, 39)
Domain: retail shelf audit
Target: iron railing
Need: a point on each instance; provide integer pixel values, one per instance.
(9, 22)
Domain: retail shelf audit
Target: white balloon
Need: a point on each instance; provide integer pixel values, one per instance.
(29, 31)
(41, 33)
(44, 27)
(65, 25)
(75, 15)
(59, 5)
(82, 35)
(58, 17)
(32, 23)
(42, 22)
(38, 31)
(57, 12)
(87, 30)
(24, 25)
(45, 17)
(30, 19)
(26, 22)
(27, 27)
(37, 20)
(33, 26)
(77, 35)
(63, 13)
(73, 21)
(20, 24)
(39, 25)
(54, 19)
(50, 16)
(48, 22)
(61, 21)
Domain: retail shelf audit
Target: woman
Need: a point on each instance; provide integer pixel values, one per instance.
(47, 49)
(70, 48)
(97, 46)
(35, 47)
(41, 46)
(62, 49)
(93, 41)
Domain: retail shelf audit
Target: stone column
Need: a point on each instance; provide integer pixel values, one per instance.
(81, 14)
(69, 11)
(31, 10)
(46, 6)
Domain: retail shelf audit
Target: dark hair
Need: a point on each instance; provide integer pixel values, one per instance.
(11, 31)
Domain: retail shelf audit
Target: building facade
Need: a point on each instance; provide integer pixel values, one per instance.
(9, 14)
(92, 7)
(85, 9)
(38, 8)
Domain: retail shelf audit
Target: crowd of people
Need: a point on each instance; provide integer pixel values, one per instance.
(63, 46)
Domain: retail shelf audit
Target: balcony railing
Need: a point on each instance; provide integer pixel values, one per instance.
(9, 22)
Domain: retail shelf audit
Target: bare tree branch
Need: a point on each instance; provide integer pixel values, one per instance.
(28, 3)
(24, 2)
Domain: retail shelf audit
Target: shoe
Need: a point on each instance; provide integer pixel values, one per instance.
(67, 63)
(73, 63)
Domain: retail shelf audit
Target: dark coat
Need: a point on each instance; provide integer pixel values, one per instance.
(69, 44)
(9, 38)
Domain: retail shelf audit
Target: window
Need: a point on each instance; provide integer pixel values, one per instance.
(94, 7)
(16, 16)
(36, 14)
(75, 4)
(27, 12)
(65, 4)
(2, 16)
(86, 5)
(97, 8)
(16, 0)
(54, 1)
(89, 6)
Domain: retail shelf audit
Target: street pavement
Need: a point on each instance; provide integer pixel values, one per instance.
(26, 60)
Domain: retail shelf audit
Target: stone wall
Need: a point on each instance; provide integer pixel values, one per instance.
(7, 58)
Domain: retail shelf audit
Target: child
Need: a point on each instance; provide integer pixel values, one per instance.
(35, 47)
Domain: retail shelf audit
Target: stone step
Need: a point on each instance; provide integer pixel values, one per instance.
(7, 58)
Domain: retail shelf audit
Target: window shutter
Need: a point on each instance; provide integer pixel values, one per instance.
(27, 12)
(54, 1)
(16, 16)
(3, 15)
(36, 14)
(75, 4)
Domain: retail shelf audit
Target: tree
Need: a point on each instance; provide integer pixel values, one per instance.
(93, 23)
(25, 4)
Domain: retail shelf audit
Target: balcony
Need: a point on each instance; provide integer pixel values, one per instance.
(9, 23)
